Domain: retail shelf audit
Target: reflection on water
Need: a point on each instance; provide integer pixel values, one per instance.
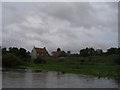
(14, 79)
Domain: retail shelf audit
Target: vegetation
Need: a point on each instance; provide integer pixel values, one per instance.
(10, 60)
(14, 57)
(88, 62)
(39, 61)
(92, 65)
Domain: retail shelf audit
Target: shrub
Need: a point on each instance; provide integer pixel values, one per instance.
(117, 60)
(39, 61)
(10, 60)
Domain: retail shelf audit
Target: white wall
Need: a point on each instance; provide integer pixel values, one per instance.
(33, 54)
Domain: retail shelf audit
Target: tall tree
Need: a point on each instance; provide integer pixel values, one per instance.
(14, 50)
(4, 50)
(87, 52)
(98, 52)
(111, 51)
(58, 49)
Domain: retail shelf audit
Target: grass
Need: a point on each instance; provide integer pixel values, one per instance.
(93, 66)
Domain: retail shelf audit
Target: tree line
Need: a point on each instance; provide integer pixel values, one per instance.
(92, 52)
(14, 56)
(23, 53)
(20, 52)
(99, 52)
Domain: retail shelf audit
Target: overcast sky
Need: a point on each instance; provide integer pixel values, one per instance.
(70, 26)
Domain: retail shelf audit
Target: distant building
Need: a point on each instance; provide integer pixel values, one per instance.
(39, 52)
(58, 53)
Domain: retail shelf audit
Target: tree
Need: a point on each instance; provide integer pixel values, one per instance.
(118, 51)
(22, 53)
(14, 50)
(91, 51)
(0, 50)
(68, 52)
(83, 52)
(4, 50)
(87, 52)
(98, 52)
(63, 54)
(58, 49)
(111, 51)
(10, 60)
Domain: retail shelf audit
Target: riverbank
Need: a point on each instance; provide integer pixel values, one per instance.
(93, 66)
(92, 70)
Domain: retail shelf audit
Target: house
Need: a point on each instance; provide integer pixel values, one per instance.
(39, 52)
(58, 53)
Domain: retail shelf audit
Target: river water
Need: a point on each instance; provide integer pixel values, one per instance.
(21, 79)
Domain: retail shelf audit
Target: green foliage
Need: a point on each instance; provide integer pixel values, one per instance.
(63, 54)
(103, 66)
(23, 53)
(58, 49)
(39, 61)
(10, 60)
(4, 50)
(88, 62)
(87, 52)
(20, 53)
(14, 50)
(98, 52)
(112, 51)
(117, 60)
(118, 51)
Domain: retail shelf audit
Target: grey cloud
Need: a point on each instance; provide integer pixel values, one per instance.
(71, 26)
(0, 24)
(83, 14)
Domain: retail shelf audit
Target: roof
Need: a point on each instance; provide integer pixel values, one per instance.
(41, 50)
(56, 52)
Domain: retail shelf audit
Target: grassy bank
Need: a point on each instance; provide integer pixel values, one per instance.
(94, 65)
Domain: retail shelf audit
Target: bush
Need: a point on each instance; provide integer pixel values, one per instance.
(117, 60)
(10, 60)
(39, 61)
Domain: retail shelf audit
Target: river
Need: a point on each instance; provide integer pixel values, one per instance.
(22, 79)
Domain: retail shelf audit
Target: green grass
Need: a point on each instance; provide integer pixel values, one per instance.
(93, 66)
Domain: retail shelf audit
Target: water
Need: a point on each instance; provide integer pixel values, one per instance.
(21, 79)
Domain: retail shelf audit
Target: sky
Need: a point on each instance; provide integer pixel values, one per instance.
(70, 26)
(0, 24)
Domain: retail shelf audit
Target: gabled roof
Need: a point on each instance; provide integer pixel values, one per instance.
(41, 50)
(56, 53)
